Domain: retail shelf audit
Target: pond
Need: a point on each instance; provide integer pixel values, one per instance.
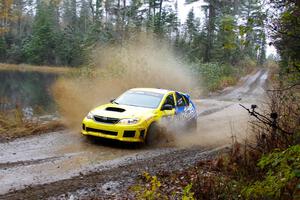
(30, 91)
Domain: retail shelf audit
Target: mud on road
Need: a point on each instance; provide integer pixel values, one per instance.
(64, 165)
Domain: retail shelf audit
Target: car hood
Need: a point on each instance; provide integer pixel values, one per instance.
(122, 111)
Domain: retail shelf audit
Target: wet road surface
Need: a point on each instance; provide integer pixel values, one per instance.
(61, 155)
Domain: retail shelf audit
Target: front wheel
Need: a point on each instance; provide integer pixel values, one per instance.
(152, 134)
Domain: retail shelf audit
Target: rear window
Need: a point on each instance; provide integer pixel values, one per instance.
(180, 100)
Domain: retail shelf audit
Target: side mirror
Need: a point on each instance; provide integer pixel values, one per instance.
(112, 100)
(167, 107)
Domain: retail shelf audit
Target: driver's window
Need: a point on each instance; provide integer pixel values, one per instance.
(170, 100)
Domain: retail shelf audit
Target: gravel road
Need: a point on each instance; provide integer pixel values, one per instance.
(65, 165)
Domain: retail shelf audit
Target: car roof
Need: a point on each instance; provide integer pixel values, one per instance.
(155, 90)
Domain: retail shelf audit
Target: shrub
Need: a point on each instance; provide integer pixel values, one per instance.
(282, 178)
(214, 76)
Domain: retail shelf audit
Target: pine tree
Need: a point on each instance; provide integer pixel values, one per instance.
(253, 29)
(191, 28)
(84, 21)
(227, 41)
(211, 14)
(2, 49)
(40, 46)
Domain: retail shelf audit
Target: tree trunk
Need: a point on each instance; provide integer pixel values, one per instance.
(210, 30)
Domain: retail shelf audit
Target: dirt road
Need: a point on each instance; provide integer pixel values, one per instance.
(65, 165)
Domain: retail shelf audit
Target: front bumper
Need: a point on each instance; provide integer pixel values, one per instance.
(126, 133)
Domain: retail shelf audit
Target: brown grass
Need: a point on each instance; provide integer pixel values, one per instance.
(31, 68)
(13, 125)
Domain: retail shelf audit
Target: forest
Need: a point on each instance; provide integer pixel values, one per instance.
(54, 32)
(218, 42)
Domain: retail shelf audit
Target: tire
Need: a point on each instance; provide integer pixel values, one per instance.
(152, 134)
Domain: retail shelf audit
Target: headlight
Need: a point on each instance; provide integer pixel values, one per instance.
(90, 115)
(129, 121)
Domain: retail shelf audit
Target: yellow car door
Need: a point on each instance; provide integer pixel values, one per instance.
(168, 107)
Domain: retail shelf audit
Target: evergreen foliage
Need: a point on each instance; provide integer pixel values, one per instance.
(285, 29)
(51, 32)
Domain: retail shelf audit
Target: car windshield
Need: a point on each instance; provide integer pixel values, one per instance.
(140, 99)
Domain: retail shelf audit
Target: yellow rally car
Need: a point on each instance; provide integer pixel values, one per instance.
(135, 115)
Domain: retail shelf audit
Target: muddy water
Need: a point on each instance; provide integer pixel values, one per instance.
(61, 155)
(28, 90)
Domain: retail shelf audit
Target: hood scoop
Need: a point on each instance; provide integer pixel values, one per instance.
(115, 109)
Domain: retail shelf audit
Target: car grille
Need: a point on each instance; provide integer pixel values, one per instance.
(129, 134)
(107, 120)
(101, 131)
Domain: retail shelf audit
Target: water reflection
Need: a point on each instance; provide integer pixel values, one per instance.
(30, 91)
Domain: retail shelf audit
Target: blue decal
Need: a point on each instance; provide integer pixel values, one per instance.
(187, 112)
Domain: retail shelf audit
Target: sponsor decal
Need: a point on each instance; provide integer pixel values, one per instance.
(187, 114)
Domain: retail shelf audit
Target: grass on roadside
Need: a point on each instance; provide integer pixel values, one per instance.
(31, 68)
(13, 125)
(273, 176)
